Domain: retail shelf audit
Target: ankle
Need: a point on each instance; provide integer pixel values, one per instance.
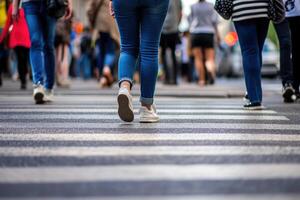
(126, 84)
(148, 106)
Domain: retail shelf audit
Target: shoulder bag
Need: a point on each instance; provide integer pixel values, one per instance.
(56, 8)
(224, 8)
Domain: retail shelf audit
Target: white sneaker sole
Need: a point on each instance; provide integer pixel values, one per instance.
(124, 110)
(147, 120)
(254, 108)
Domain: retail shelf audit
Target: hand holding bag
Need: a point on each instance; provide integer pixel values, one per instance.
(224, 8)
(276, 11)
(57, 8)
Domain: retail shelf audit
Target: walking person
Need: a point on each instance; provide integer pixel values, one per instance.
(42, 53)
(3, 52)
(169, 40)
(104, 26)
(18, 40)
(63, 57)
(251, 24)
(293, 15)
(140, 23)
(286, 70)
(203, 28)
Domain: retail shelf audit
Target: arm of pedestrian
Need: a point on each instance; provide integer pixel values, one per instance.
(15, 10)
(111, 8)
(69, 10)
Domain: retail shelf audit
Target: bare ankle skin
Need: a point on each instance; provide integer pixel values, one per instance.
(126, 85)
(148, 106)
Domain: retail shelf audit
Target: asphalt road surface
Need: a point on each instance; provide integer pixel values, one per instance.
(203, 148)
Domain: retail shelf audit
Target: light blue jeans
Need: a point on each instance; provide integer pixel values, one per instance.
(140, 23)
(42, 33)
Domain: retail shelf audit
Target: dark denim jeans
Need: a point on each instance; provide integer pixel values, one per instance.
(284, 36)
(140, 23)
(252, 34)
(295, 33)
(106, 48)
(84, 66)
(42, 32)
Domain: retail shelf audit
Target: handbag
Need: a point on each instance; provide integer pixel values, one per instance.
(224, 8)
(276, 11)
(56, 8)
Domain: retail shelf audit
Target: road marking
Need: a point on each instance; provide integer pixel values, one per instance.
(84, 125)
(109, 110)
(190, 197)
(149, 137)
(148, 173)
(150, 151)
(163, 117)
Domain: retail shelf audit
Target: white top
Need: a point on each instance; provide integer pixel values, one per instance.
(292, 8)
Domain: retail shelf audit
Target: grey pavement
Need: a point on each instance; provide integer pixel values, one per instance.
(205, 146)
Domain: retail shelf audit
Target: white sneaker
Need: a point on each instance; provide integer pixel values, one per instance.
(148, 116)
(49, 96)
(125, 109)
(38, 94)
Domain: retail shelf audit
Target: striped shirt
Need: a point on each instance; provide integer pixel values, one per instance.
(249, 9)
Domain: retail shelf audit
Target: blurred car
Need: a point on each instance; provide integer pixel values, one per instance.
(230, 58)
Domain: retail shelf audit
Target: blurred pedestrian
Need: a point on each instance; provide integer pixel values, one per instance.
(286, 69)
(3, 52)
(293, 16)
(169, 40)
(203, 28)
(140, 24)
(42, 53)
(252, 24)
(62, 46)
(84, 65)
(105, 28)
(18, 40)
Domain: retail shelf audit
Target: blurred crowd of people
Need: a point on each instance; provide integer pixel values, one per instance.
(92, 50)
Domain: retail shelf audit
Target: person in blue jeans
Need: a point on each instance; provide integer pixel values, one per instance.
(140, 24)
(251, 24)
(42, 52)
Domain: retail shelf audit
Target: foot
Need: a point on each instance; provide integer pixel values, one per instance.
(38, 94)
(288, 93)
(253, 106)
(23, 86)
(125, 109)
(49, 95)
(148, 115)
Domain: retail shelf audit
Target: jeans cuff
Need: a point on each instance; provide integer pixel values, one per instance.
(147, 101)
(126, 79)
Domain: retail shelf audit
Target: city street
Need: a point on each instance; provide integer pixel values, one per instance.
(206, 147)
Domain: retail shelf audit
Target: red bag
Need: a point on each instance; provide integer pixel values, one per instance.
(17, 31)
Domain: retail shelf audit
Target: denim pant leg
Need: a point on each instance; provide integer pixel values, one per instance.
(49, 51)
(152, 19)
(284, 36)
(128, 21)
(251, 42)
(36, 53)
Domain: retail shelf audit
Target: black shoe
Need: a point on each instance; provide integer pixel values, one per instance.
(23, 86)
(253, 106)
(297, 95)
(288, 93)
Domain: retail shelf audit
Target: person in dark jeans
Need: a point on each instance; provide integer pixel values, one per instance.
(251, 24)
(22, 59)
(286, 70)
(169, 40)
(293, 15)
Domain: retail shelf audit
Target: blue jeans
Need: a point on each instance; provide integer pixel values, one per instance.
(84, 65)
(42, 32)
(106, 51)
(140, 23)
(252, 35)
(284, 36)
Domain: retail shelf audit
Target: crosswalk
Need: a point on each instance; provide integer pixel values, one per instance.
(77, 148)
